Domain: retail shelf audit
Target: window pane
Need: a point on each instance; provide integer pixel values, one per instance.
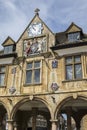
(29, 65)
(74, 37)
(37, 64)
(68, 60)
(77, 59)
(69, 73)
(2, 69)
(5, 50)
(78, 71)
(8, 49)
(2, 79)
(29, 76)
(37, 76)
(70, 37)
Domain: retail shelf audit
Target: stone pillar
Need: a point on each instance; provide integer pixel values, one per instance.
(15, 126)
(54, 124)
(10, 124)
(34, 118)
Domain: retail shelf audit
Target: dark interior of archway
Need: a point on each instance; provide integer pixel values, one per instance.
(29, 109)
(75, 108)
(3, 117)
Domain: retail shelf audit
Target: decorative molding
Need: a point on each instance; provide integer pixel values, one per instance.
(31, 97)
(75, 95)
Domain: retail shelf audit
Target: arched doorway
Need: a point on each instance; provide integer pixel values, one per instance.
(71, 110)
(32, 115)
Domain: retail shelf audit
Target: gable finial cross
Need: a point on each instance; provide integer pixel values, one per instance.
(36, 11)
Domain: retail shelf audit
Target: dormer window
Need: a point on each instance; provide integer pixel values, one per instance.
(8, 49)
(72, 37)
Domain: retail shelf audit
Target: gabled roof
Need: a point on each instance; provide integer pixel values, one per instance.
(73, 28)
(62, 38)
(8, 41)
(36, 15)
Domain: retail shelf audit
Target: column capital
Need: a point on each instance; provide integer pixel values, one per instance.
(53, 120)
(10, 120)
(54, 124)
(10, 124)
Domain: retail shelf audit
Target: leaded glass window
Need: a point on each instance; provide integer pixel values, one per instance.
(73, 37)
(2, 75)
(33, 72)
(73, 67)
(8, 49)
(41, 122)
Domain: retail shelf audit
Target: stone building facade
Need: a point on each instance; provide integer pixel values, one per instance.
(43, 79)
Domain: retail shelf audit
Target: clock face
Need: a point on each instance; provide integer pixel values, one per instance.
(35, 29)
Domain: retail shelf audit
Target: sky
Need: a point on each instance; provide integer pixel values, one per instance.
(15, 15)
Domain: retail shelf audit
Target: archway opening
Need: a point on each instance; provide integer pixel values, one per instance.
(32, 115)
(70, 114)
(62, 122)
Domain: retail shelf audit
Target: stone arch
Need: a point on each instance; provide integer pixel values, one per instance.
(22, 101)
(72, 107)
(59, 106)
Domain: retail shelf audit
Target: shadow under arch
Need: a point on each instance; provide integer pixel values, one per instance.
(66, 100)
(5, 106)
(24, 100)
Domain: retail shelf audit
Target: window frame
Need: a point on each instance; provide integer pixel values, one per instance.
(7, 48)
(33, 74)
(73, 63)
(72, 37)
(3, 72)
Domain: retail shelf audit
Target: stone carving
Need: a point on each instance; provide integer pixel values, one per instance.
(34, 46)
(54, 86)
(12, 89)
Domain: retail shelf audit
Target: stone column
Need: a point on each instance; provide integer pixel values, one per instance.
(69, 127)
(54, 124)
(10, 124)
(15, 126)
(34, 118)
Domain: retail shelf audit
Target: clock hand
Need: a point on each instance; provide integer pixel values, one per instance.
(34, 28)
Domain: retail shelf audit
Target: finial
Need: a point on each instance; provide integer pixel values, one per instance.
(36, 11)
